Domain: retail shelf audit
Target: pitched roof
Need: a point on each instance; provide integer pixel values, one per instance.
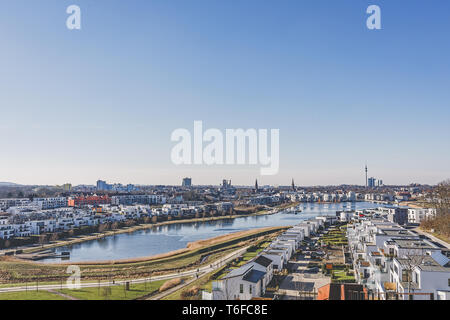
(254, 276)
(265, 262)
(238, 272)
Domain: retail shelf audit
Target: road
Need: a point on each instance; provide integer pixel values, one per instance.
(216, 265)
(200, 272)
(432, 238)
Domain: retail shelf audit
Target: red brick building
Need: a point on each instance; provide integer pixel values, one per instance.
(90, 200)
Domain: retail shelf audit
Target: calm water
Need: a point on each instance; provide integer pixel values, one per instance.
(167, 238)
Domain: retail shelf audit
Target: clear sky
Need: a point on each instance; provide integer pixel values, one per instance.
(102, 102)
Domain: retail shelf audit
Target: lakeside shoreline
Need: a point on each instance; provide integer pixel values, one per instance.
(191, 246)
(29, 250)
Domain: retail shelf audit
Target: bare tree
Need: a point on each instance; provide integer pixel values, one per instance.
(441, 202)
(54, 236)
(101, 227)
(412, 259)
(42, 239)
(441, 198)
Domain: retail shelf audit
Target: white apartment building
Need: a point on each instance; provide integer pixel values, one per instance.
(417, 215)
(7, 203)
(50, 203)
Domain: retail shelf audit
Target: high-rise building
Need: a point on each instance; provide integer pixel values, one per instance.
(373, 182)
(187, 182)
(102, 185)
(256, 185)
(226, 184)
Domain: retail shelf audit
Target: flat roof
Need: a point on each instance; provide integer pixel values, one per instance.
(414, 244)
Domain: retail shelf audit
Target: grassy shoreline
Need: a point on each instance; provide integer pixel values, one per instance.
(15, 271)
(71, 241)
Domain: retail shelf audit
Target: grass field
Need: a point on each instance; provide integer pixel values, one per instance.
(341, 276)
(114, 292)
(30, 295)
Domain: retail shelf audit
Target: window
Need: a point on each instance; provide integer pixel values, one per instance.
(416, 277)
(406, 275)
(250, 289)
(241, 288)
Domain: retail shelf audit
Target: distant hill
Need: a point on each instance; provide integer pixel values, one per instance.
(9, 184)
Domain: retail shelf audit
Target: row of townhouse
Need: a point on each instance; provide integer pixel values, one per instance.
(40, 203)
(251, 280)
(61, 220)
(175, 209)
(387, 257)
(379, 197)
(50, 203)
(36, 220)
(350, 196)
(264, 200)
(13, 202)
(132, 199)
(399, 215)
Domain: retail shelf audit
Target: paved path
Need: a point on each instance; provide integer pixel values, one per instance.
(433, 238)
(200, 271)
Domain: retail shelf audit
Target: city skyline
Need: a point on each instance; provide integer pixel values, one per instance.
(370, 182)
(102, 102)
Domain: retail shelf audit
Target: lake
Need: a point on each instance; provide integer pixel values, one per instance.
(167, 238)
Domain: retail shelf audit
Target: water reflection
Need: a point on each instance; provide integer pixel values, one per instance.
(162, 239)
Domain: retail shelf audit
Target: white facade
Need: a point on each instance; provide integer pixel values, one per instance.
(417, 215)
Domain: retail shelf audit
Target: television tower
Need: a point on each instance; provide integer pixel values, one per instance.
(366, 174)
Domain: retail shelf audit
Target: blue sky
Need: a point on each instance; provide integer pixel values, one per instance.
(102, 102)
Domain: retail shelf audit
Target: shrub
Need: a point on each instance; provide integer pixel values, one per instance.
(170, 284)
(189, 293)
